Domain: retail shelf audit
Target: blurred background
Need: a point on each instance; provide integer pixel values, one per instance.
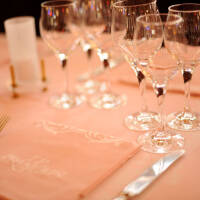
(13, 8)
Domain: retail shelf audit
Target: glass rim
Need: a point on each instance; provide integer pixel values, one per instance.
(179, 19)
(57, 3)
(170, 8)
(115, 5)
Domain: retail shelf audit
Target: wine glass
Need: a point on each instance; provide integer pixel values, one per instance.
(87, 85)
(150, 32)
(58, 27)
(97, 26)
(124, 14)
(187, 49)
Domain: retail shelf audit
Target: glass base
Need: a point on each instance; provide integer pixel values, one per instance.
(142, 121)
(66, 101)
(159, 142)
(107, 101)
(184, 121)
(90, 87)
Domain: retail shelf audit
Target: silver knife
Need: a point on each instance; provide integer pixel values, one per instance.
(149, 175)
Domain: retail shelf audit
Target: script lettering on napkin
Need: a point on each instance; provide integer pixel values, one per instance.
(35, 165)
(92, 136)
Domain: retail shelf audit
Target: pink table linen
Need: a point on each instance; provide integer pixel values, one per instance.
(54, 154)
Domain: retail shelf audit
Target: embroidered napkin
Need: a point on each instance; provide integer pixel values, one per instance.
(48, 160)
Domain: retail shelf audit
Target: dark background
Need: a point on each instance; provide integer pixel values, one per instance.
(13, 8)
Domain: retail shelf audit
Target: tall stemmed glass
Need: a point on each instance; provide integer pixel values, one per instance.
(187, 49)
(148, 38)
(59, 23)
(124, 15)
(97, 25)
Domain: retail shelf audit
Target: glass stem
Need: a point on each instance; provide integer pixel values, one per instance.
(87, 48)
(107, 82)
(187, 77)
(89, 53)
(160, 90)
(142, 87)
(104, 58)
(64, 60)
(91, 66)
(187, 97)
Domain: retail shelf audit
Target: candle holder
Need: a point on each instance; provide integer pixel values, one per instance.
(13, 82)
(17, 88)
(27, 72)
(43, 75)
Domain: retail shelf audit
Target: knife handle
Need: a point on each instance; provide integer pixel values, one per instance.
(121, 197)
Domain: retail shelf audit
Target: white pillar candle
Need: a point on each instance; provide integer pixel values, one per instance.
(21, 38)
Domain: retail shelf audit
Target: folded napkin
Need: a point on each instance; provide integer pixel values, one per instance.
(49, 160)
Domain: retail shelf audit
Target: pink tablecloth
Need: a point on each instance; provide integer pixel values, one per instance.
(53, 154)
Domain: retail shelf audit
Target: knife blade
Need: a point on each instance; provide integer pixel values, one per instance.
(149, 175)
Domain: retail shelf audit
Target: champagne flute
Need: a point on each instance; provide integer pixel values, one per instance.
(97, 25)
(150, 32)
(187, 49)
(59, 23)
(124, 14)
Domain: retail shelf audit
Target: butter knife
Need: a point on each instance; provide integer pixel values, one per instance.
(149, 175)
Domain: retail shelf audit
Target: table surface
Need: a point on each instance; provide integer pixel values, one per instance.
(31, 109)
